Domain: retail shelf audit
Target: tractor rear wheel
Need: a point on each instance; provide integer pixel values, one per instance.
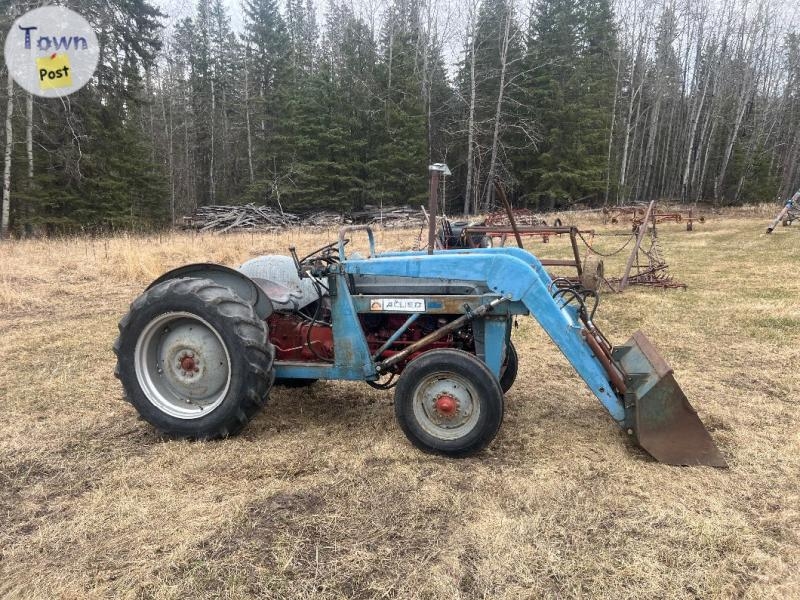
(194, 359)
(508, 372)
(448, 402)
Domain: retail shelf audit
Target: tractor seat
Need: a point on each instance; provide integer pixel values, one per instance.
(277, 277)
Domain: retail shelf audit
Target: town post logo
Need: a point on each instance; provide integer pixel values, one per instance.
(51, 51)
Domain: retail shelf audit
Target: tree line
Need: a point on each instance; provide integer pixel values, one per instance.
(567, 101)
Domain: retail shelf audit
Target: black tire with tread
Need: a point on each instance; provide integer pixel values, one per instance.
(471, 368)
(244, 335)
(510, 368)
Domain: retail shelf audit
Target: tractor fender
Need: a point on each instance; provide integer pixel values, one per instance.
(241, 284)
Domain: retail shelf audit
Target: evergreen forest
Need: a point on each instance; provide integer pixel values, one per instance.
(304, 107)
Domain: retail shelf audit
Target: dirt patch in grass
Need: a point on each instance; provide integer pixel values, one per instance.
(322, 497)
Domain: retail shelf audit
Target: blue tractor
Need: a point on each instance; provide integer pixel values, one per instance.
(200, 349)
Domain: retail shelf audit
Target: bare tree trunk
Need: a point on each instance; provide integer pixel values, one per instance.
(637, 43)
(748, 84)
(700, 162)
(478, 170)
(191, 181)
(389, 74)
(27, 207)
(767, 58)
(172, 162)
(247, 120)
(427, 80)
(150, 101)
(666, 187)
(653, 134)
(224, 145)
(719, 180)
(498, 110)
(692, 145)
(471, 119)
(211, 162)
(630, 126)
(29, 136)
(638, 137)
(167, 120)
(611, 129)
(263, 122)
(4, 216)
(791, 166)
(748, 165)
(704, 168)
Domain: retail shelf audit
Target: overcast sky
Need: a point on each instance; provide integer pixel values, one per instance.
(370, 10)
(450, 16)
(178, 9)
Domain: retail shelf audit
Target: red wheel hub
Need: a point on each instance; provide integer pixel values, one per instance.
(187, 363)
(446, 405)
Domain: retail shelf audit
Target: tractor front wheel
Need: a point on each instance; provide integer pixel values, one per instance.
(194, 359)
(449, 402)
(508, 372)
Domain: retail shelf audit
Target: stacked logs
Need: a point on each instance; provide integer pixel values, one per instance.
(245, 217)
(249, 217)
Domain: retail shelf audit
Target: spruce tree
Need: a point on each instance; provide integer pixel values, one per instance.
(352, 111)
(199, 32)
(268, 41)
(553, 49)
(595, 79)
(398, 171)
(571, 89)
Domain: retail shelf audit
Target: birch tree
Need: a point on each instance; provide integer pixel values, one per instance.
(505, 43)
(472, 12)
(5, 214)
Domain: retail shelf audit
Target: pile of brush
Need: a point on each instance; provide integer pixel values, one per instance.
(244, 217)
(249, 217)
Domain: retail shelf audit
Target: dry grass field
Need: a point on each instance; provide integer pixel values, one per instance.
(323, 497)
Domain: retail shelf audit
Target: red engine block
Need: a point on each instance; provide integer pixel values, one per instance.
(291, 336)
(378, 329)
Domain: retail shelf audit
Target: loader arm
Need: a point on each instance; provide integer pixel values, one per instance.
(633, 382)
(506, 273)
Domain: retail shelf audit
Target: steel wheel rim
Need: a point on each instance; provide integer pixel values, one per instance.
(182, 365)
(442, 385)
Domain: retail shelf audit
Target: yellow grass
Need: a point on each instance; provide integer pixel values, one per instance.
(322, 496)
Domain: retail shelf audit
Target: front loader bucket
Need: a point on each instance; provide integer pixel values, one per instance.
(657, 410)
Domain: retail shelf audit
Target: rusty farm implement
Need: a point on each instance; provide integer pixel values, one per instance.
(789, 213)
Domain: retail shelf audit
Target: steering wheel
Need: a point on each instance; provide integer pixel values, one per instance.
(325, 253)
